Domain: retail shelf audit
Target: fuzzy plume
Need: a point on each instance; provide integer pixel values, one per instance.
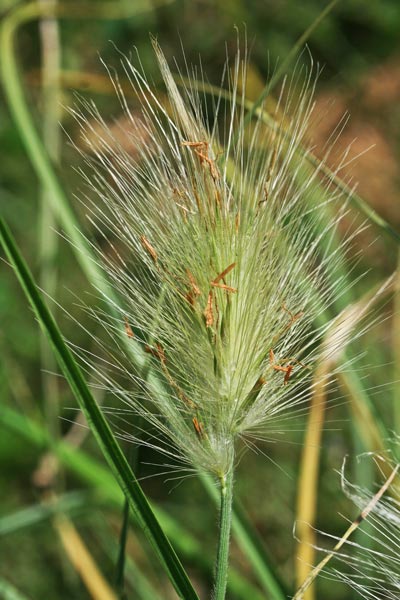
(221, 263)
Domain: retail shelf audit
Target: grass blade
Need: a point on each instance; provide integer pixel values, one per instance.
(37, 513)
(120, 575)
(101, 430)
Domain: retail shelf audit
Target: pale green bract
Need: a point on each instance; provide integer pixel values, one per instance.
(210, 243)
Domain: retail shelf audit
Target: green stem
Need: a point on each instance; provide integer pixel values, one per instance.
(251, 545)
(222, 564)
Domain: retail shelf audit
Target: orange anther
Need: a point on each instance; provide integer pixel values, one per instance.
(222, 286)
(128, 329)
(288, 373)
(198, 427)
(208, 312)
(149, 248)
(194, 291)
(224, 273)
(157, 351)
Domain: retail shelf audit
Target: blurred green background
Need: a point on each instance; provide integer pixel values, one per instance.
(358, 44)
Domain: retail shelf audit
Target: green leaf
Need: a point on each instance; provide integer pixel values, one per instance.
(98, 424)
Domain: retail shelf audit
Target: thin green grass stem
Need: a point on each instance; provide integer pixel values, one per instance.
(225, 523)
(140, 582)
(251, 546)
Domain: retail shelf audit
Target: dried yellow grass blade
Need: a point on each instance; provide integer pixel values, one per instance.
(82, 560)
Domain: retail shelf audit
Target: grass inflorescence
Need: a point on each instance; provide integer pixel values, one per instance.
(214, 253)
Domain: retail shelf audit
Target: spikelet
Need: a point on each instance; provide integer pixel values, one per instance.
(216, 261)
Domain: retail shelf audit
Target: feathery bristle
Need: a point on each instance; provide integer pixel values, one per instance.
(219, 270)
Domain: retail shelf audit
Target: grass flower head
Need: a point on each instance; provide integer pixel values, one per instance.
(221, 262)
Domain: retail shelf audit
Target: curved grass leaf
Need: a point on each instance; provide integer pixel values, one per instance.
(98, 424)
(295, 51)
(91, 472)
